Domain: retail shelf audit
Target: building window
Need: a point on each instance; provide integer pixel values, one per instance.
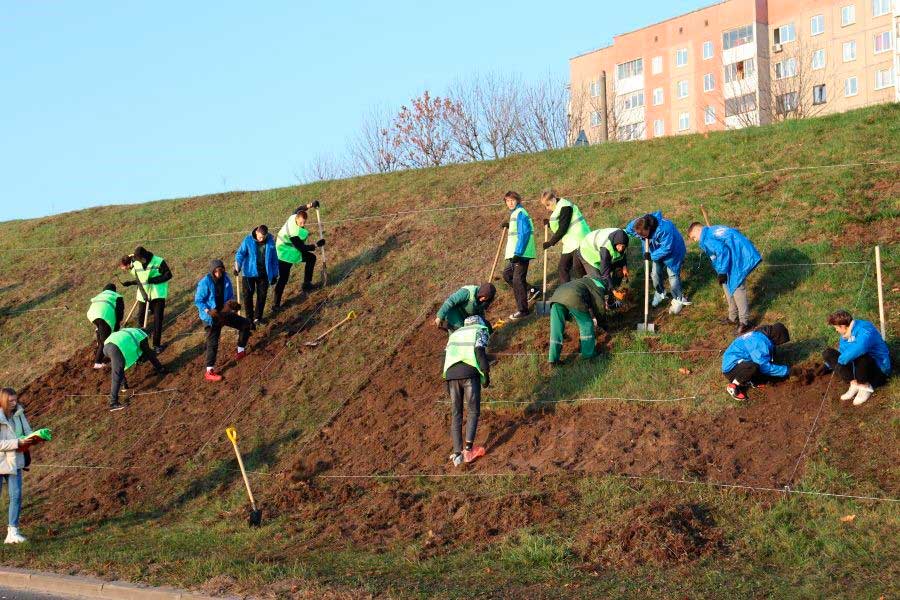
(880, 7)
(595, 119)
(626, 133)
(820, 94)
(684, 121)
(709, 115)
(595, 89)
(848, 15)
(707, 50)
(740, 105)
(884, 78)
(709, 82)
(817, 25)
(851, 86)
(630, 69)
(850, 51)
(683, 88)
(657, 65)
(786, 68)
(737, 37)
(787, 103)
(681, 57)
(659, 128)
(883, 42)
(633, 100)
(818, 60)
(785, 34)
(740, 70)
(658, 96)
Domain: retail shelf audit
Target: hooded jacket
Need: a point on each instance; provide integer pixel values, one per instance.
(731, 253)
(245, 257)
(584, 295)
(459, 300)
(864, 338)
(10, 431)
(666, 243)
(205, 298)
(759, 347)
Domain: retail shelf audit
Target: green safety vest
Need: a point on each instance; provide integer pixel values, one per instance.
(128, 341)
(593, 242)
(154, 290)
(512, 238)
(461, 348)
(103, 306)
(286, 250)
(578, 227)
(470, 305)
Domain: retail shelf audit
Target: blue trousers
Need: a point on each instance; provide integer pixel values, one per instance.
(674, 279)
(14, 485)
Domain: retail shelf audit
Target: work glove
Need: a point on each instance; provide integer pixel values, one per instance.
(129, 283)
(232, 306)
(625, 272)
(320, 243)
(504, 225)
(721, 278)
(546, 222)
(612, 304)
(440, 323)
(237, 269)
(647, 256)
(315, 204)
(547, 245)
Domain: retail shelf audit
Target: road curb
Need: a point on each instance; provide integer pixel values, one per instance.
(90, 587)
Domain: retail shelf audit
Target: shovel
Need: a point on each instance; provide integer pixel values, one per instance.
(543, 307)
(646, 326)
(322, 248)
(255, 519)
(350, 316)
(240, 296)
(497, 256)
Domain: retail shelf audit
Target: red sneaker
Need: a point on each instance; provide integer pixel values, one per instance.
(240, 354)
(471, 455)
(736, 392)
(212, 376)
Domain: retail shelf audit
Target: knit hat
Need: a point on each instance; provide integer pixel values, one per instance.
(215, 264)
(619, 237)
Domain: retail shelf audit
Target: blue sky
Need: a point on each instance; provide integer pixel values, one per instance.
(126, 101)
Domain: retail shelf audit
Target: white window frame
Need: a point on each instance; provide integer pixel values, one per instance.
(824, 88)
(886, 82)
(657, 65)
(637, 66)
(709, 115)
(817, 64)
(708, 50)
(659, 128)
(851, 47)
(687, 89)
(684, 121)
(595, 88)
(786, 68)
(709, 82)
(596, 121)
(681, 53)
(659, 96)
(817, 20)
(881, 7)
(780, 34)
(890, 42)
(848, 15)
(633, 100)
(855, 81)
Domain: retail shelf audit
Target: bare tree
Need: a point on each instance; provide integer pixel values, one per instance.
(323, 167)
(798, 71)
(543, 119)
(371, 150)
(421, 134)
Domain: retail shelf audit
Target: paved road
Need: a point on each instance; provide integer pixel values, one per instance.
(14, 594)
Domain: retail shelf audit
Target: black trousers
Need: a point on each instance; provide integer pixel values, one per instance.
(258, 286)
(214, 332)
(863, 369)
(570, 267)
(515, 275)
(284, 273)
(747, 372)
(103, 330)
(157, 312)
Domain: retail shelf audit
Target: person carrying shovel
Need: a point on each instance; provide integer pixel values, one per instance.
(520, 250)
(569, 227)
(582, 300)
(292, 249)
(151, 276)
(125, 348)
(666, 251)
(105, 314)
(467, 301)
(466, 371)
(215, 302)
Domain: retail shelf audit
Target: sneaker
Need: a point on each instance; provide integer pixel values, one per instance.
(851, 391)
(13, 536)
(533, 294)
(212, 376)
(456, 458)
(518, 315)
(675, 307)
(658, 299)
(735, 392)
(240, 354)
(98, 366)
(743, 328)
(864, 393)
(471, 455)
(114, 406)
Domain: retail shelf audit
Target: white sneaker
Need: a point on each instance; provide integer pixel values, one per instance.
(13, 536)
(865, 391)
(851, 391)
(98, 366)
(658, 299)
(676, 306)
(456, 459)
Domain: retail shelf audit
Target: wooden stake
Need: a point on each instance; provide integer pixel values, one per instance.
(880, 291)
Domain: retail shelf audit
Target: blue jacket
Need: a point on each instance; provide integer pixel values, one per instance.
(756, 347)
(865, 339)
(731, 253)
(666, 244)
(523, 228)
(245, 257)
(205, 298)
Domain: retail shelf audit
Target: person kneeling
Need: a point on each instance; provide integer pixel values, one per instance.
(862, 357)
(466, 370)
(749, 360)
(582, 300)
(217, 307)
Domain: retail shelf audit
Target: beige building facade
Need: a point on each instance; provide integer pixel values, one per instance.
(735, 64)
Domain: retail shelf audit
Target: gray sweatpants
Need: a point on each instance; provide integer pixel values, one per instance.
(466, 391)
(117, 371)
(738, 306)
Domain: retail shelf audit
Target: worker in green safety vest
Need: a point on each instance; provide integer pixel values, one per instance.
(466, 371)
(124, 349)
(292, 249)
(583, 301)
(569, 227)
(603, 256)
(467, 301)
(520, 249)
(106, 312)
(151, 277)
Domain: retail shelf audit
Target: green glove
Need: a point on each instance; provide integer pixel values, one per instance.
(45, 434)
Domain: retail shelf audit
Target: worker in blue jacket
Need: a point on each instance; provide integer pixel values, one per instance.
(733, 257)
(666, 251)
(215, 302)
(749, 360)
(862, 357)
(256, 261)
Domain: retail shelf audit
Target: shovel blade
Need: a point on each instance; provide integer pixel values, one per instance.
(255, 519)
(542, 308)
(649, 328)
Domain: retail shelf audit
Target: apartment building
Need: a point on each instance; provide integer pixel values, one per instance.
(738, 63)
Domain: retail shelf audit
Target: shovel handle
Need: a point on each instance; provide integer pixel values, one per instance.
(546, 237)
(231, 432)
(646, 286)
(497, 256)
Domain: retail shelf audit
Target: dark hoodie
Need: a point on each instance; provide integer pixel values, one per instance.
(776, 332)
(218, 284)
(144, 256)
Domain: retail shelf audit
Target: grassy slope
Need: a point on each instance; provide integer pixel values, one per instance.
(794, 217)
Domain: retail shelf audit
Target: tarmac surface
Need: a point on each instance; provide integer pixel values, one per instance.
(14, 594)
